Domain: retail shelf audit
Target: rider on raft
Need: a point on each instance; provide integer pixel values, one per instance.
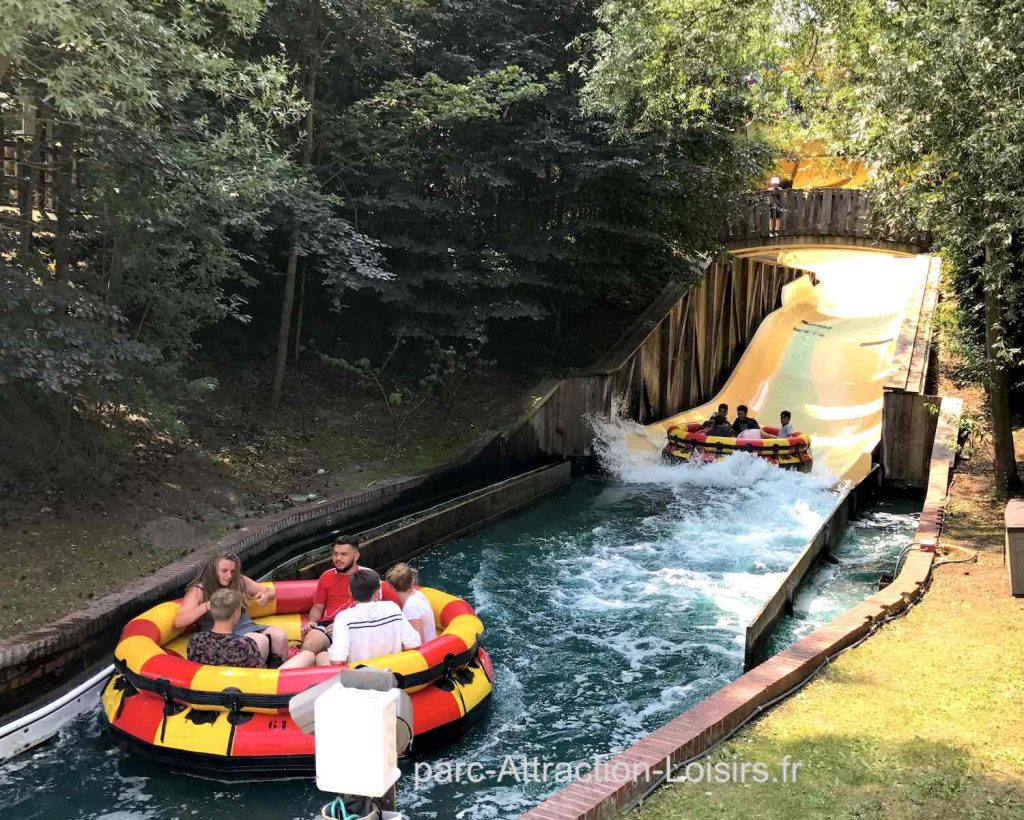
(716, 439)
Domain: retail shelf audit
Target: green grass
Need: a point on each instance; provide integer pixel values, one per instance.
(237, 462)
(922, 721)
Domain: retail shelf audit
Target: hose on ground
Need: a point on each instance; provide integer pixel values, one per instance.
(970, 559)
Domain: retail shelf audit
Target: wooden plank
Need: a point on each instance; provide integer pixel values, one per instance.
(664, 366)
(825, 217)
(923, 419)
(917, 372)
(893, 420)
(899, 377)
(860, 216)
(909, 422)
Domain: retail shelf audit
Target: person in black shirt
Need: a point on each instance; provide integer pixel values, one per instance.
(743, 421)
(722, 413)
(719, 427)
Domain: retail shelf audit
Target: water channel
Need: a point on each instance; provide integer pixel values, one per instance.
(611, 606)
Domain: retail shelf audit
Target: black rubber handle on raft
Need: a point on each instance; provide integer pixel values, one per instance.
(449, 663)
(234, 700)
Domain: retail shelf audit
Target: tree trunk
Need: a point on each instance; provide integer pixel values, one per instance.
(44, 133)
(1007, 477)
(118, 262)
(29, 158)
(298, 318)
(8, 157)
(63, 191)
(284, 329)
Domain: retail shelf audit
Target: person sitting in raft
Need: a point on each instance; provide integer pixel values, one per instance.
(743, 421)
(749, 435)
(368, 629)
(219, 645)
(224, 571)
(720, 427)
(786, 429)
(332, 596)
(722, 413)
(371, 628)
(415, 606)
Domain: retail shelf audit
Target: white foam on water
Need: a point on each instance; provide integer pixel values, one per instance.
(126, 815)
(726, 534)
(632, 453)
(674, 699)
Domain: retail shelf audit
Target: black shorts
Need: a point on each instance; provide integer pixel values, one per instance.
(322, 627)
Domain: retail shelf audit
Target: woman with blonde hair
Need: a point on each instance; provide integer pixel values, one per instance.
(415, 606)
(224, 571)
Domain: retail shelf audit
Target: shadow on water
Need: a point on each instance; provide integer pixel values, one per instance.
(610, 607)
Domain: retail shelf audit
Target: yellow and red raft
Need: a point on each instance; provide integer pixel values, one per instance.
(687, 444)
(227, 722)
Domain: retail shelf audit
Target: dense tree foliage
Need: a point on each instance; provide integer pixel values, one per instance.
(927, 92)
(930, 92)
(246, 175)
(498, 200)
(136, 149)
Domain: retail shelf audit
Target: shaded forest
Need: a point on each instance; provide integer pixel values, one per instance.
(401, 193)
(404, 196)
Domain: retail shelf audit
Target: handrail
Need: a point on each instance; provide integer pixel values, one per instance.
(817, 212)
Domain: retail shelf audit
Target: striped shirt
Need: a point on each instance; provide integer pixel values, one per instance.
(370, 630)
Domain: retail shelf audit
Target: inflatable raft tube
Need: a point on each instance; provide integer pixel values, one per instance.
(686, 443)
(231, 723)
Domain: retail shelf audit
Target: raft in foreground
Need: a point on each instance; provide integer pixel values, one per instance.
(686, 443)
(231, 723)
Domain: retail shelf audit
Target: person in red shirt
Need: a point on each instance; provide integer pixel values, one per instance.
(332, 596)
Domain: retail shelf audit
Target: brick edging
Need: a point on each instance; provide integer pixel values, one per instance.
(46, 655)
(622, 781)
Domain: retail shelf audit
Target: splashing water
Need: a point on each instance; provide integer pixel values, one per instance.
(611, 606)
(631, 453)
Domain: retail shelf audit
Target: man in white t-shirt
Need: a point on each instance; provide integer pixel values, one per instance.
(786, 428)
(371, 628)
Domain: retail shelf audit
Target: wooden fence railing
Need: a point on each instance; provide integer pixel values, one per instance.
(677, 355)
(837, 213)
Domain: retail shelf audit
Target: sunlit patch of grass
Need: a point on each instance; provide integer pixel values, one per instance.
(922, 721)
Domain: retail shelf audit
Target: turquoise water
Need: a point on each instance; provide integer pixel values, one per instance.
(610, 607)
(868, 548)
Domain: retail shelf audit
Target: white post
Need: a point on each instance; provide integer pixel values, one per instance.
(359, 734)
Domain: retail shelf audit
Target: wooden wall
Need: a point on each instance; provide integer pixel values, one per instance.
(677, 355)
(908, 430)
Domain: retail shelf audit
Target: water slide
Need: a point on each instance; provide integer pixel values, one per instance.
(828, 352)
